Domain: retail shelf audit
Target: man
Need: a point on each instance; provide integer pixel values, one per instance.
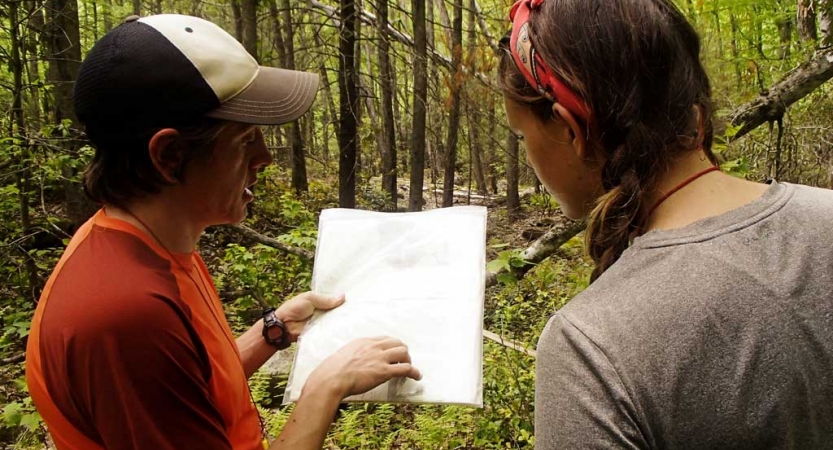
(129, 348)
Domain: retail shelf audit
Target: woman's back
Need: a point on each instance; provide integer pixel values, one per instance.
(715, 335)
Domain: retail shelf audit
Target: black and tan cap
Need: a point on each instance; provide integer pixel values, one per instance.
(171, 69)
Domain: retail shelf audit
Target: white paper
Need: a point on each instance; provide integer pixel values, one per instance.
(418, 277)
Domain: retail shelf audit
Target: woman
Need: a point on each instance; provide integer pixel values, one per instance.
(709, 322)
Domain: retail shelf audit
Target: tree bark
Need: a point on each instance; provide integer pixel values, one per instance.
(806, 20)
(63, 51)
(248, 16)
(473, 110)
(137, 7)
(513, 201)
(785, 26)
(237, 15)
(825, 13)
(476, 147)
(455, 85)
(545, 246)
(484, 28)
(415, 200)
(348, 104)
(773, 102)
(296, 139)
(386, 84)
(17, 130)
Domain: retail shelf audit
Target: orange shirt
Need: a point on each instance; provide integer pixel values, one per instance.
(127, 351)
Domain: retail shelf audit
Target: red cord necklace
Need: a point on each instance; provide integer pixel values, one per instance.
(680, 186)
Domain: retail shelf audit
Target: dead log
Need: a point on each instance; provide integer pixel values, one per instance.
(563, 230)
(272, 242)
(772, 103)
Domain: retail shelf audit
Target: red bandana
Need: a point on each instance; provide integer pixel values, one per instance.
(532, 66)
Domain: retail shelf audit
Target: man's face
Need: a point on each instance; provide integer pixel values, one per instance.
(217, 188)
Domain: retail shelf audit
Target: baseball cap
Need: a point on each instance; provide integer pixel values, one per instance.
(169, 69)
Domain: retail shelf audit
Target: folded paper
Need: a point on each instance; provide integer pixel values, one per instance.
(418, 277)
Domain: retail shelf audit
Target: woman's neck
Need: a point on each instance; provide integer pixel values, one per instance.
(710, 195)
(168, 224)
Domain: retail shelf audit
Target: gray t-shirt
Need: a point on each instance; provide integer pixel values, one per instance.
(718, 335)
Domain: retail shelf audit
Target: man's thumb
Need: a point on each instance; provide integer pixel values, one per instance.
(325, 302)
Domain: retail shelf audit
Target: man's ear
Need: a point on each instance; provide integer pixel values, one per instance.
(577, 133)
(165, 154)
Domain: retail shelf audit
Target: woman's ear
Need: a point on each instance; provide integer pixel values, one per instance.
(165, 154)
(576, 132)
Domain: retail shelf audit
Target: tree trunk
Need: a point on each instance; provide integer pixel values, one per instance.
(237, 14)
(513, 201)
(348, 103)
(296, 139)
(34, 10)
(108, 15)
(733, 45)
(473, 116)
(328, 113)
(454, 119)
(137, 7)
(807, 20)
(248, 16)
(280, 49)
(484, 28)
(415, 200)
(369, 92)
(491, 152)
(63, 51)
(476, 148)
(17, 129)
(825, 13)
(388, 130)
(785, 27)
(360, 91)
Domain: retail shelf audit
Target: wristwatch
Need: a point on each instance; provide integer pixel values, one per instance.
(274, 330)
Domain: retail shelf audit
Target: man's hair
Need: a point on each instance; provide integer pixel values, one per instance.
(122, 171)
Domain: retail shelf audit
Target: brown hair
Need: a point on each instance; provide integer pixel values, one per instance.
(122, 170)
(636, 64)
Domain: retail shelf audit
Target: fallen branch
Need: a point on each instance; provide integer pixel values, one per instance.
(543, 248)
(13, 359)
(771, 104)
(508, 343)
(272, 242)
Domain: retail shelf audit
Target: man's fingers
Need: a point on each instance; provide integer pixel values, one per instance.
(323, 301)
(397, 354)
(405, 370)
(387, 342)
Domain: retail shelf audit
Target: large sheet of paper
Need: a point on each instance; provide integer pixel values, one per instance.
(418, 277)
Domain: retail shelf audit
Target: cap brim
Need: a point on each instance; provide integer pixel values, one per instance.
(276, 96)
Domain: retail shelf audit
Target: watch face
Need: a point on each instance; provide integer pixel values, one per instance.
(274, 332)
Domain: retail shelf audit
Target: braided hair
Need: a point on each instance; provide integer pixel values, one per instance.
(636, 64)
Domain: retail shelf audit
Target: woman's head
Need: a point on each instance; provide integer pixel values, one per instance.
(634, 65)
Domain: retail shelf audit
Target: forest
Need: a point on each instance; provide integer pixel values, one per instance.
(408, 117)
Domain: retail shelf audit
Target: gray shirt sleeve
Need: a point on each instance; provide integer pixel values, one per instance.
(580, 402)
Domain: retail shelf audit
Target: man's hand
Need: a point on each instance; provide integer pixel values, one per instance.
(296, 311)
(362, 365)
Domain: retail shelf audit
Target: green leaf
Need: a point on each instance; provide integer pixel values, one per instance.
(11, 414)
(507, 279)
(31, 421)
(497, 265)
(517, 262)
